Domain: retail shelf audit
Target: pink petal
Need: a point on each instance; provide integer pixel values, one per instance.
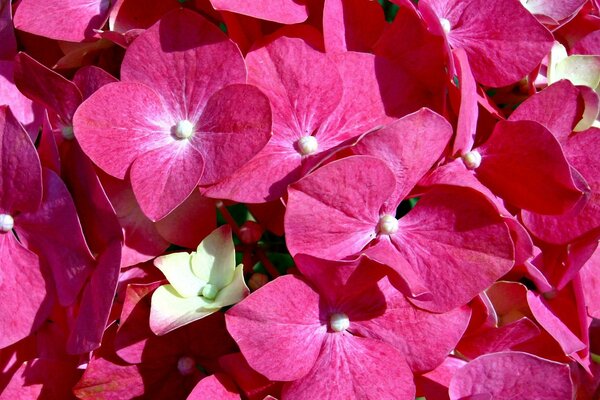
(588, 44)
(502, 28)
(54, 231)
(113, 139)
(350, 367)
(185, 59)
(282, 11)
(466, 126)
(26, 111)
(217, 386)
(409, 146)
(91, 78)
(456, 241)
(590, 280)
(434, 384)
(189, 223)
(96, 302)
(125, 15)
(175, 170)
(20, 170)
(47, 87)
(351, 25)
(23, 290)
(278, 328)
(509, 375)
(529, 171)
(555, 9)
(235, 125)
(70, 20)
(556, 107)
(347, 195)
(416, 333)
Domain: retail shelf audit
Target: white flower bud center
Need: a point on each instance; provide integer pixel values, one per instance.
(186, 365)
(67, 132)
(445, 25)
(210, 291)
(307, 145)
(6, 223)
(472, 159)
(184, 129)
(339, 322)
(388, 225)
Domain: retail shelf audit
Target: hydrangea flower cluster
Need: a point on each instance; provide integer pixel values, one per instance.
(300, 199)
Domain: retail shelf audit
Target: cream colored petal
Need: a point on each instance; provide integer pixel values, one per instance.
(214, 261)
(235, 292)
(580, 70)
(169, 311)
(178, 270)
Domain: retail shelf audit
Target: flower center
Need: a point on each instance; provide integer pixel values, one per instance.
(6, 223)
(67, 132)
(388, 225)
(445, 25)
(184, 129)
(339, 322)
(307, 145)
(186, 365)
(472, 159)
(209, 291)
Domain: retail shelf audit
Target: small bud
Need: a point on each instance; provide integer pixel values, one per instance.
(339, 322)
(184, 129)
(388, 225)
(472, 159)
(67, 132)
(186, 365)
(257, 280)
(307, 145)
(6, 223)
(250, 232)
(209, 291)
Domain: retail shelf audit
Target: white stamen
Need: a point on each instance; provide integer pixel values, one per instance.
(209, 291)
(6, 223)
(472, 159)
(388, 225)
(67, 132)
(445, 25)
(339, 322)
(184, 129)
(307, 145)
(186, 365)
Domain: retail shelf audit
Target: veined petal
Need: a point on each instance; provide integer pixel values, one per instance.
(214, 260)
(177, 268)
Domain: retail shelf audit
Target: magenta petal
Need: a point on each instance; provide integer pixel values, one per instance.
(347, 195)
(278, 328)
(409, 146)
(91, 78)
(590, 281)
(502, 28)
(510, 375)
(20, 170)
(70, 20)
(96, 302)
(457, 243)
(558, 10)
(556, 107)
(22, 289)
(54, 232)
(351, 367)
(529, 170)
(282, 11)
(174, 169)
(218, 386)
(114, 138)
(8, 42)
(46, 87)
(185, 58)
(466, 125)
(235, 125)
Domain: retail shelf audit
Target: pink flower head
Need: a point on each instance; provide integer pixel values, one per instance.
(440, 249)
(336, 334)
(185, 116)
